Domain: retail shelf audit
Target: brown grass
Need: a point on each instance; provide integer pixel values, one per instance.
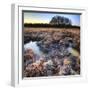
(72, 30)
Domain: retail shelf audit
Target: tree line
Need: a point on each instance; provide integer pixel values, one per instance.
(56, 21)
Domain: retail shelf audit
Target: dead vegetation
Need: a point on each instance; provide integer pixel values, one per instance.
(59, 45)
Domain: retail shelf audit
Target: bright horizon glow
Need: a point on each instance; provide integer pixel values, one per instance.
(27, 20)
(43, 17)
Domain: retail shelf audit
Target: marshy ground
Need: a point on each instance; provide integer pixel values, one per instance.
(51, 51)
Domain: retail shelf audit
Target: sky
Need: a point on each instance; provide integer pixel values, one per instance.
(38, 17)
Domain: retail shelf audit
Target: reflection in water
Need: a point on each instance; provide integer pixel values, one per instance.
(73, 51)
(33, 46)
(36, 49)
(60, 58)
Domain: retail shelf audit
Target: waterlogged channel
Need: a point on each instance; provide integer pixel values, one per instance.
(33, 45)
(36, 49)
(53, 55)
